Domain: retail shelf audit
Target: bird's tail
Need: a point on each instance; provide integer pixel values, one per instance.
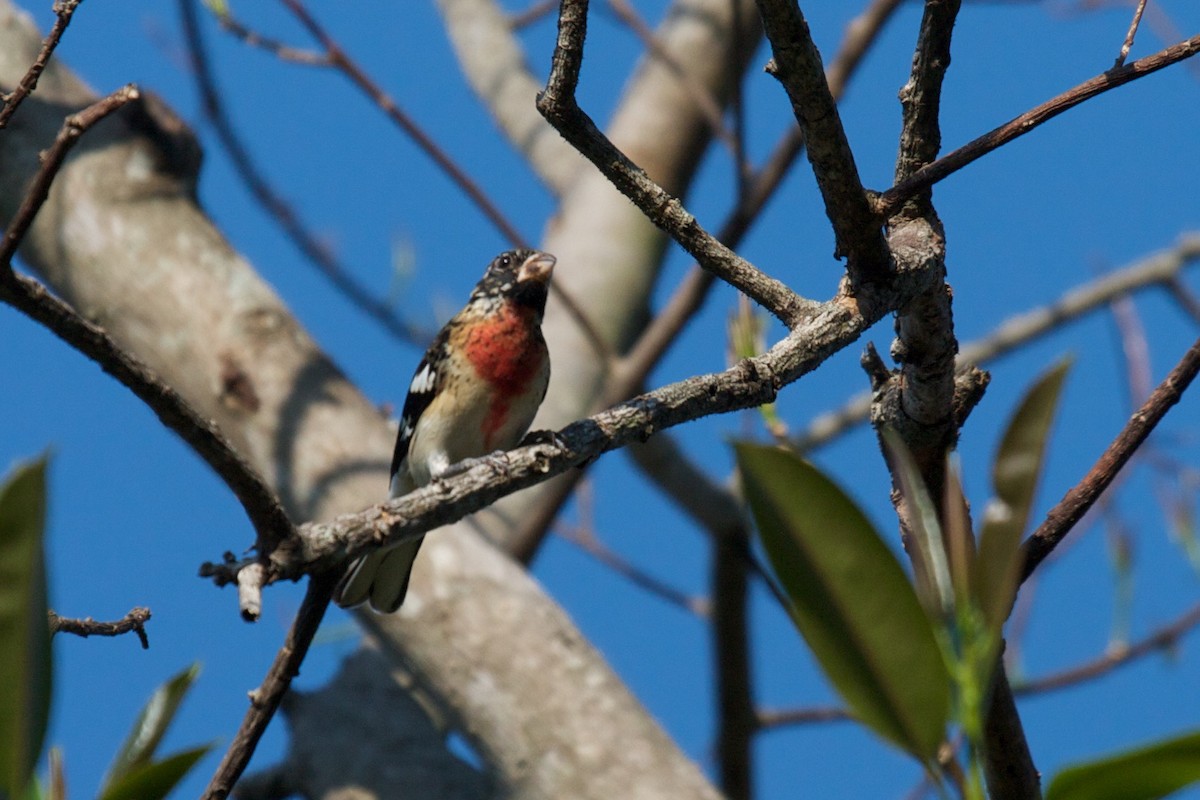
(381, 577)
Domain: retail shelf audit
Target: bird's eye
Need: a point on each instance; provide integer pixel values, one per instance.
(506, 261)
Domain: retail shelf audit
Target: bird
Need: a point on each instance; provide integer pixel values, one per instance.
(474, 392)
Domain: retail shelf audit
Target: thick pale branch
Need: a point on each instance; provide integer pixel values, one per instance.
(492, 60)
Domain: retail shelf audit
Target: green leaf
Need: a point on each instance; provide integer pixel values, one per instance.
(150, 727)
(155, 780)
(1015, 475)
(960, 541)
(1145, 774)
(931, 566)
(850, 599)
(25, 658)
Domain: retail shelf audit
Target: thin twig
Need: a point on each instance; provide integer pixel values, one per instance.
(272, 202)
(30, 297)
(280, 50)
(591, 544)
(63, 11)
(1164, 638)
(264, 701)
(927, 176)
(73, 127)
(779, 718)
(340, 60)
(1063, 517)
(709, 108)
(1184, 298)
(1160, 269)
(522, 19)
(1127, 45)
(133, 622)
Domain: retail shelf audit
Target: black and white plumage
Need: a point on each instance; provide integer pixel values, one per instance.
(475, 391)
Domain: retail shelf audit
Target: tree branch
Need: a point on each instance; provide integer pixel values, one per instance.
(133, 622)
(888, 202)
(1164, 638)
(315, 251)
(750, 383)
(63, 11)
(1063, 517)
(1159, 269)
(30, 297)
(264, 701)
(557, 104)
(493, 61)
(797, 64)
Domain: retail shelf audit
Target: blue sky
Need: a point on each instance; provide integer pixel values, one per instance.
(133, 513)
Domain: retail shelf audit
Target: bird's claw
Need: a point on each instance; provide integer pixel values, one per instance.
(543, 437)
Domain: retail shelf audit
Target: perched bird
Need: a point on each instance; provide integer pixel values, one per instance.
(475, 391)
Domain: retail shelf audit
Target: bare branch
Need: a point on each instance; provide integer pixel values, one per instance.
(1160, 269)
(264, 701)
(1063, 517)
(778, 718)
(557, 104)
(73, 127)
(31, 298)
(950, 163)
(750, 383)
(494, 63)
(1164, 638)
(63, 11)
(700, 94)
(133, 622)
(1127, 45)
(252, 38)
(316, 251)
(797, 65)
(341, 61)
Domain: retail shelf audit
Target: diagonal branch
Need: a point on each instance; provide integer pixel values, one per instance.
(752, 382)
(888, 202)
(30, 297)
(63, 11)
(317, 252)
(264, 701)
(1063, 517)
(797, 64)
(558, 105)
(493, 61)
(1159, 269)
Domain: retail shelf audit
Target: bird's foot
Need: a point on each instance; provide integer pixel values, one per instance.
(542, 437)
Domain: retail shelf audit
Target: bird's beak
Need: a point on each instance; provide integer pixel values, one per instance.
(536, 268)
